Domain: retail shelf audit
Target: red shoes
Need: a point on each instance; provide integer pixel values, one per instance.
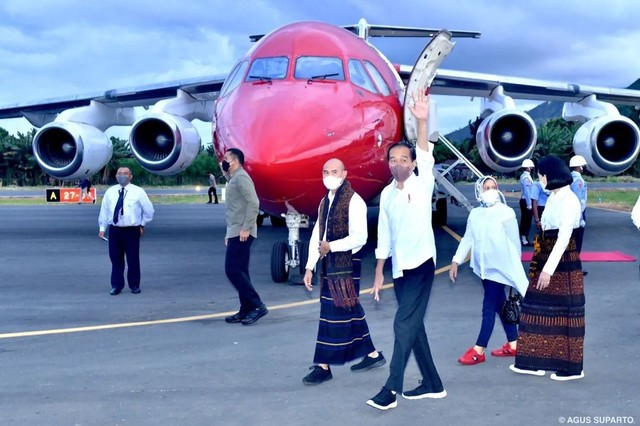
(471, 357)
(505, 350)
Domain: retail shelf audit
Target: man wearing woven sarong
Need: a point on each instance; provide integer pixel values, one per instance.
(339, 233)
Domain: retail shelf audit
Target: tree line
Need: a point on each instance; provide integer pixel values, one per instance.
(18, 166)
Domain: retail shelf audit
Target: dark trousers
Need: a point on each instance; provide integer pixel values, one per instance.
(213, 192)
(412, 292)
(492, 302)
(579, 233)
(525, 219)
(236, 266)
(124, 241)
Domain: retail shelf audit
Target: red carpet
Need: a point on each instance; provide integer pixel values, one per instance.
(593, 256)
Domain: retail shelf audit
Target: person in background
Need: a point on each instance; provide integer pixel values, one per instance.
(405, 234)
(338, 234)
(241, 214)
(539, 198)
(85, 190)
(213, 189)
(125, 210)
(552, 327)
(525, 201)
(579, 187)
(492, 238)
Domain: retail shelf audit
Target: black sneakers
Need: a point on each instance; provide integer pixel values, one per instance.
(422, 392)
(384, 400)
(368, 363)
(317, 376)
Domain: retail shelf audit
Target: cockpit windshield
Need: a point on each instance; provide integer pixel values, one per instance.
(267, 69)
(319, 68)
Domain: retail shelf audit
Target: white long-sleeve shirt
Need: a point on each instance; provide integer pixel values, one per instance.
(493, 239)
(404, 222)
(357, 231)
(137, 209)
(562, 212)
(635, 214)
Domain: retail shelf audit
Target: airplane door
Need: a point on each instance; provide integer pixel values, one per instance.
(424, 71)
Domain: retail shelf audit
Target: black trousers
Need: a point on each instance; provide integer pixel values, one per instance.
(525, 219)
(236, 266)
(124, 241)
(213, 192)
(412, 292)
(580, 235)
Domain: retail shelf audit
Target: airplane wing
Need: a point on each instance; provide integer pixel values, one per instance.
(43, 111)
(473, 84)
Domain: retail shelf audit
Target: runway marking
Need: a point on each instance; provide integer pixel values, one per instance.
(190, 318)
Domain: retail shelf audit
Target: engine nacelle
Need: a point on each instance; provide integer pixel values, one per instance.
(505, 138)
(164, 144)
(609, 144)
(68, 151)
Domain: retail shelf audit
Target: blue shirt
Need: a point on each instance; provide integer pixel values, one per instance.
(525, 185)
(579, 187)
(539, 194)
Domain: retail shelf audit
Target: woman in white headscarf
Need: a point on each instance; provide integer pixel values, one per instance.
(492, 238)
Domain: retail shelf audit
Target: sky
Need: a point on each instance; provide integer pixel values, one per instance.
(54, 48)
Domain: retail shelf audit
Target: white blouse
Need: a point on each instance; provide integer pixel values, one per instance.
(562, 212)
(492, 237)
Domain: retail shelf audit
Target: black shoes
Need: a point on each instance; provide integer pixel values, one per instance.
(117, 291)
(255, 315)
(368, 363)
(384, 400)
(237, 317)
(422, 392)
(317, 376)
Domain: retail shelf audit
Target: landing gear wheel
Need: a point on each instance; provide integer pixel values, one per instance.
(280, 262)
(439, 216)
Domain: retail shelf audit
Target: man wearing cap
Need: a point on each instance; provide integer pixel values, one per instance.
(525, 201)
(579, 187)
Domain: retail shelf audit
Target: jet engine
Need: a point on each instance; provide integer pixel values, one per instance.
(505, 138)
(67, 150)
(609, 144)
(164, 144)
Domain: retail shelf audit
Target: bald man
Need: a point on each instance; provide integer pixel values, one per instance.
(339, 233)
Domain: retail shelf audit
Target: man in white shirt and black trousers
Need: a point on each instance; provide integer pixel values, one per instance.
(126, 209)
(405, 234)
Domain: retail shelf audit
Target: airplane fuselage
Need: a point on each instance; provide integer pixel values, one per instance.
(298, 98)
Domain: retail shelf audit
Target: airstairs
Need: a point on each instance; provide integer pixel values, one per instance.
(443, 182)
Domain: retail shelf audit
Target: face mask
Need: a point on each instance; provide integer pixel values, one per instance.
(123, 180)
(489, 197)
(225, 166)
(331, 182)
(401, 173)
(543, 185)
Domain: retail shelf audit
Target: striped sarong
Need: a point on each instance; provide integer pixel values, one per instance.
(343, 333)
(551, 334)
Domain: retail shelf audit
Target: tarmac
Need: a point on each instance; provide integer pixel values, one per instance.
(71, 354)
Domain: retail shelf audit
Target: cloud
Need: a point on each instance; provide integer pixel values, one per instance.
(53, 48)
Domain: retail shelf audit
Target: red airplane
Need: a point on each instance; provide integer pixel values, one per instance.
(310, 91)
